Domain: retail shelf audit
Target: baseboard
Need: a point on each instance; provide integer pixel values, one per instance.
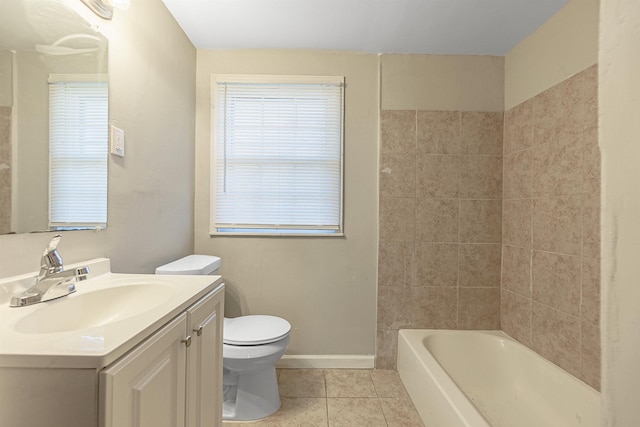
(328, 361)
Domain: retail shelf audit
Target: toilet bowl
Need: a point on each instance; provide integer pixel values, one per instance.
(251, 347)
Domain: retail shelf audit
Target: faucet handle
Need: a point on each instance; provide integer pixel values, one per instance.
(51, 260)
(53, 243)
(81, 273)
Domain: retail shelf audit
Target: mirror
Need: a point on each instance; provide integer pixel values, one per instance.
(53, 119)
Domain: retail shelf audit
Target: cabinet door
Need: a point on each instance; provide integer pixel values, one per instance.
(147, 387)
(204, 378)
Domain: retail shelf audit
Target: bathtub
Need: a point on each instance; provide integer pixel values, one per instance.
(487, 379)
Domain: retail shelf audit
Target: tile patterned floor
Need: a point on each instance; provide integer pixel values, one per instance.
(340, 398)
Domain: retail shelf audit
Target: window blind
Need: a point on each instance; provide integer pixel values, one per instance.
(78, 152)
(277, 154)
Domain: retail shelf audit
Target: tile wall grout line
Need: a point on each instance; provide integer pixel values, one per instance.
(502, 245)
(582, 209)
(459, 222)
(532, 145)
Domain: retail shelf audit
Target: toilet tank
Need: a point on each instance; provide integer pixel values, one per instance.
(194, 265)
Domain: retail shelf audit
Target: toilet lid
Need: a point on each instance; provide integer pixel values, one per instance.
(254, 330)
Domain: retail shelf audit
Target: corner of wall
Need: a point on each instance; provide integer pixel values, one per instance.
(565, 45)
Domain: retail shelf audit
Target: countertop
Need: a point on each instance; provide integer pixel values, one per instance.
(98, 346)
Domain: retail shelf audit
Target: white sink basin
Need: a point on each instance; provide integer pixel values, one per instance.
(95, 308)
(108, 315)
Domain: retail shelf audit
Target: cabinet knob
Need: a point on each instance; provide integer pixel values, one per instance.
(198, 330)
(187, 341)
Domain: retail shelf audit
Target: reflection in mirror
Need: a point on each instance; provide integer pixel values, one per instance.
(53, 119)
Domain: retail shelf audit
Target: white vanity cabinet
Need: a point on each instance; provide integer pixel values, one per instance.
(146, 388)
(204, 362)
(173, 378)
(124, 350)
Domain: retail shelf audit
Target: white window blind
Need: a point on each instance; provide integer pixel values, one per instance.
(277, 155)
(78, 151)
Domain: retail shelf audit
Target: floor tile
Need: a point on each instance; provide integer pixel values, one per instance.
(301, 383)
(356, 398)
(261, 423)
(300, 411)
(388, 384)
(400, 412)
(349, 383)
(352, 412)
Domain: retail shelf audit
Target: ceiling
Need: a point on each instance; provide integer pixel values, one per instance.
(462, 27)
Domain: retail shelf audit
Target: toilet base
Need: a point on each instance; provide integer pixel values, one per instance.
(250, 396)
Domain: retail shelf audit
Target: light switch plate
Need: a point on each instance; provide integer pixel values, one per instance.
(117, 141)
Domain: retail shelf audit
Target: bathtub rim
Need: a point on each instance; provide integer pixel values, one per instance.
(458, 409)
(410, 337)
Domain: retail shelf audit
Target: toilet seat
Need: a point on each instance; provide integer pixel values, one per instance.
(254, 330)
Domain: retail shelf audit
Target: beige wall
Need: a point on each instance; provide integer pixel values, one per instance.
(619, 130)
(326, 287)
(442, 82)
(6, 78)
(152, 79)
(565, 45)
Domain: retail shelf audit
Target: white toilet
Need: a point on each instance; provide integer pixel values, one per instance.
(251, 347)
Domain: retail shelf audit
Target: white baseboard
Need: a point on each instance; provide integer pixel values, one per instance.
(329, 361)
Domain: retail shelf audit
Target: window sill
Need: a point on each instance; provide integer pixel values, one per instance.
(239, 234)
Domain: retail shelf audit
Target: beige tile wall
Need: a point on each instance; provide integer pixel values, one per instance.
(550, 225)
(5, 170)
(440, 223)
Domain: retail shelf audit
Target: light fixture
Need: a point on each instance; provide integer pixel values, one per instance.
(104, 8)
(120, 4)
(99, 8)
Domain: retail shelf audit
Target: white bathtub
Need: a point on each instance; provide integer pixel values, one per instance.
(486, 379)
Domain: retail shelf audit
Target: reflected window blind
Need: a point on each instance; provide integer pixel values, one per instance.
(78, 153)
(277, 155)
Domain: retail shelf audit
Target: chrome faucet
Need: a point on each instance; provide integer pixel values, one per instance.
(52, 281)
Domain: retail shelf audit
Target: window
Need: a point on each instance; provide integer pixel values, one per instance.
(277, 155)
(78, 151)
